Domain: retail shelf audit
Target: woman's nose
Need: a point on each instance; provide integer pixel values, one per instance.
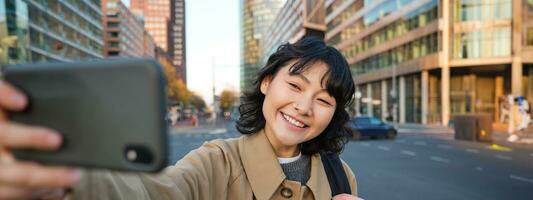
(303, 107)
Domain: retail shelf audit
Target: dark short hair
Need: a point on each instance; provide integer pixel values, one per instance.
(338, 82)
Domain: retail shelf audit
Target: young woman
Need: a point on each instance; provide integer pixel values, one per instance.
(295, 110)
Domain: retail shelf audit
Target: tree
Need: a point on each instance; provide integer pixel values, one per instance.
(176, 88)
(227, 98)
(198, 102)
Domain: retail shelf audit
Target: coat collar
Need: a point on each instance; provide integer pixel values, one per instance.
(264, 171)
(318, 182)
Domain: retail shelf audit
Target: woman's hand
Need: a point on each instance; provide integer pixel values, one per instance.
(19, 179)
(345, 197)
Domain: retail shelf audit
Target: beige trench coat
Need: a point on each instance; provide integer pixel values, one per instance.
(243, 168)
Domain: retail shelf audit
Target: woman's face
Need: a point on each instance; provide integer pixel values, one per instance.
(297, 108)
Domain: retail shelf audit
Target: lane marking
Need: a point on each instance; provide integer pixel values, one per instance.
(472, 150)
(479, 169)
(519, 178)
(499, 148)
(218, 131)
(504, 157)
(365, 144)
(420, 143)
(440, 159)
(409, 153)
(445, 146)
(384, 148)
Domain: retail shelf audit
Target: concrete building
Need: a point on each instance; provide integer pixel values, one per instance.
(176, 48)
(165, 22)
(425, 61)
(14, 32)
(156, 15)
(124, 33)
(296, 19)
(57, 30)
(256, 18)
(149, 45)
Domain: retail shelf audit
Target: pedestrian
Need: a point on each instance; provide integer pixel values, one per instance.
(293, 117)
(174, 115)
(523, 110)
(504, 108)
(194, 120)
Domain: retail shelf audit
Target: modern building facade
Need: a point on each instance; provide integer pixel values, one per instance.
(256, 18)
(14, 32)
(296, 19)
(57, 30)
(165, 22)
(425, 61)
(123, 32)
(176, 46)
(149, 45)
(156, 14)
(65, 30)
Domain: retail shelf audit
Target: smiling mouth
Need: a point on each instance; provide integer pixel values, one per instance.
(293, 121)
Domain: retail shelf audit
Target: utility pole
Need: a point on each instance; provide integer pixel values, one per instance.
(214, 94)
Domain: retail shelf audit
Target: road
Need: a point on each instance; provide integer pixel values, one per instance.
(417, 166)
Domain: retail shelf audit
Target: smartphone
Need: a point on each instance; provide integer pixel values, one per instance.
(110, 113)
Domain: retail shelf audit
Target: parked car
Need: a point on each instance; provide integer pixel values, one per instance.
(371, 127)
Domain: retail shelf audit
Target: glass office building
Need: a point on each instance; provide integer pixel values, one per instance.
(256, 18)
(14, 29)
(50, 30)
(424, 61)
(65, 30)
(296, 19)
(124, 32)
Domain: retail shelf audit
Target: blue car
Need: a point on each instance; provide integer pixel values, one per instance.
(371, 127)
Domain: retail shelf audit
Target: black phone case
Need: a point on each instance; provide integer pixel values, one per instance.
(110, 113)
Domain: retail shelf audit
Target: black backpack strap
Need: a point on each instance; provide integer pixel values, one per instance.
(338, 181)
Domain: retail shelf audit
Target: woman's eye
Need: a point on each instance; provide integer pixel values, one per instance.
(324, 101)
(294, 86)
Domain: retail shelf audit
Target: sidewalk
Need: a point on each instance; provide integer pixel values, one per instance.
(499, 133)
(185, 126)
(422, 128)
(525, 137)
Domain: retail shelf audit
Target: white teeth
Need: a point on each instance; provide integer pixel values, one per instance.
(293, 121)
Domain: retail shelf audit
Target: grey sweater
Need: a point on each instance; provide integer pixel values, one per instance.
(299, 170)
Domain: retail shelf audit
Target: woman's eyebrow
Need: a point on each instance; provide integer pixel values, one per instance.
(302, 77)
(307, 81)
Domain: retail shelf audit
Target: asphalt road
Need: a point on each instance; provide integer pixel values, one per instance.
(417, 166)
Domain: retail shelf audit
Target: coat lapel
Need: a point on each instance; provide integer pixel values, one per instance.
(260, 165)
(265, 174)
(318, 182)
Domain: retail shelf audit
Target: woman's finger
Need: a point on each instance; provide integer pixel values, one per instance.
(34, 176)
(14, 192)
(11, 98)
(14, 135)
(3, 115)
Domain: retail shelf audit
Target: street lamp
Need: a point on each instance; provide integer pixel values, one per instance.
(357, 96)
(394, 95)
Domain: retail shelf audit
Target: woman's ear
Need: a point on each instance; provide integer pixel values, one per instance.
(265, 83)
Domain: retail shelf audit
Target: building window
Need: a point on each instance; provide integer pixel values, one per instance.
(482, 10)
(482, 44)
(112, 24)
(112, 34)
(413, 99)
(113, 44)
(529, 39)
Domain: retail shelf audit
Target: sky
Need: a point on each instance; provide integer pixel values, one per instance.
(212, 45)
